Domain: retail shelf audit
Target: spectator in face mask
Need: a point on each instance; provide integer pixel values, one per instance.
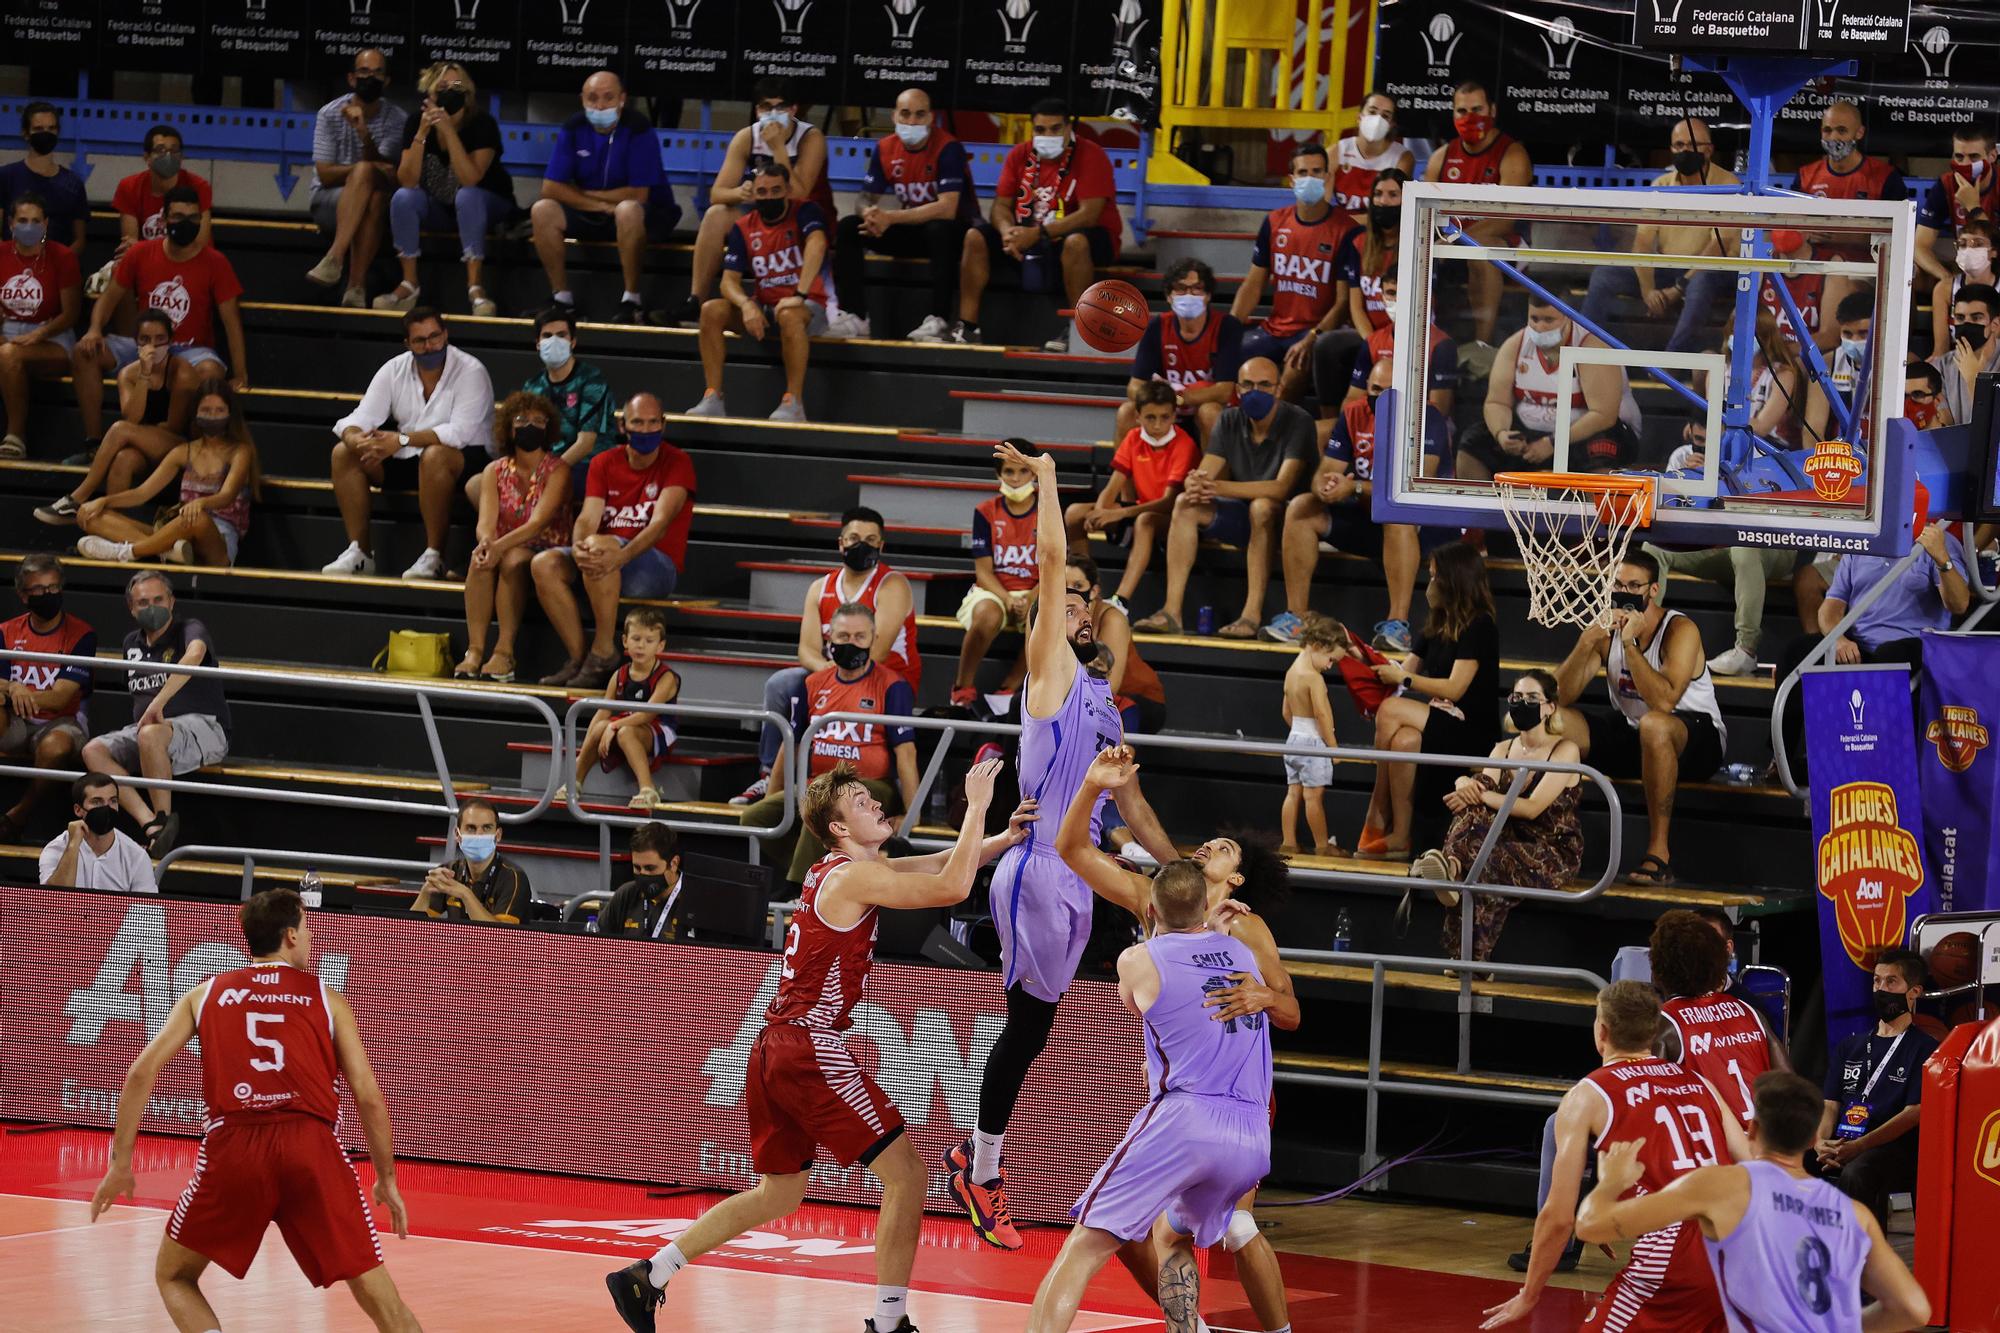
(1004, 573)
(1297, 253)
(1375, 146)
(1974, 348)
(1968, 189)
(1972, 263)
(141, 198)
(773, 280)
(41, 298)
(155, 400)
(450, 171)
(1845, 171)
(1923, 396)
(67, 201)
(44, 721)
(356, 139)
(1192, 348)
(523, 509)
(643, 906)
(477, 883)
(217, 470)
(92, 853)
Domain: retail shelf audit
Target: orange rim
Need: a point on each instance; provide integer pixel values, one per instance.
(1617, 496)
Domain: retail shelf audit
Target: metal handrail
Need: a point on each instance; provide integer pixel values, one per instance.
(564, 762)
(1823, 652)
(422, 693)
(1276, 749)
(250, 856)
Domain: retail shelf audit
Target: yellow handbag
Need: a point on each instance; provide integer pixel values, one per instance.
(416, 653)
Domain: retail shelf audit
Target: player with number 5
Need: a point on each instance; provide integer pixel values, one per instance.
(1678, 1122)
(273, 1039)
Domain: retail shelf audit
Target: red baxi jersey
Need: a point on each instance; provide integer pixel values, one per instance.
(771, 255)
(1008, 540)
(825, 972)
(31, 288)
(1667, 1285)
(903, 658)
(70, 638)
(1723, 1041)
(1299, 257)
(1480, 168)
(189, 290)
(267, 1045)
(1806, 289)
(864, 745)
(918, 176)
(1875, 178)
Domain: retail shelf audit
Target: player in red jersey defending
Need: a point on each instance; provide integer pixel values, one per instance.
(803, 1088)
(273, 1039)
(1710, 1032)
(1680, 1124)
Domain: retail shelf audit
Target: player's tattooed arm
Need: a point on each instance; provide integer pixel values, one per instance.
(1180, 1292)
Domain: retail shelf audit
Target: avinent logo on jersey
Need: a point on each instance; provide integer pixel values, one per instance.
(1958, 736)
(1833, 468)
(1868, 866)
(139, 954)
(1701, 1043)
(927, 1054)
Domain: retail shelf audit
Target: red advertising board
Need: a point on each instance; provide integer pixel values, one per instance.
(614, 1058)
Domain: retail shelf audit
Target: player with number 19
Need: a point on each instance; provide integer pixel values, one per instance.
(1679, 1123)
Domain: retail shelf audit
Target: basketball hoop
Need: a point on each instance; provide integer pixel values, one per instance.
(1573, 529)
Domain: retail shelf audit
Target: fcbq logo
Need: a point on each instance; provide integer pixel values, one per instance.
(791, 16)
(1441, 38)
(1559, 42)
(1958, 735)
(903, 18)
(1833, 468)
(1868, 867)
(1935, 49)
(1016, 17)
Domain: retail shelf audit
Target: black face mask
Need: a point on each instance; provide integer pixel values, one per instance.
(451, 101)
(183, 232)
(652, 886)
(211, 426)
(772, 210)
(1891, 1005)
(368, 90)
(1973, 334)
(847, 656)
(530, 439)
(43, 605)
(100, 818)
(1690, 163)
(43, 141)
(860, 557)
(1374, 398)
(1629, 601)
(1385, 217)
(1526, 715)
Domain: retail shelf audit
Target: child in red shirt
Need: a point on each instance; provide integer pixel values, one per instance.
(1152, 461)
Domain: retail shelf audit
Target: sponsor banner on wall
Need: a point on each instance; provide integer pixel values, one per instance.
(493, 1046)
(1012, 53)
(1960, 704)
(162, 35)
(481, 35)
(1910, 94)
(688, 49)
(50, 31)
(898, 44)
(798, 40)
(1867, 823)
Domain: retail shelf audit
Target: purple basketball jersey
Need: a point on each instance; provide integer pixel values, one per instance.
(1793, 1264)
(1057, 751)
(1187, 1051)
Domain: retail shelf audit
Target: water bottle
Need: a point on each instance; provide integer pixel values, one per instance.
(1343, 931)
(1743, 775)
(309, 888)
(1204, 620)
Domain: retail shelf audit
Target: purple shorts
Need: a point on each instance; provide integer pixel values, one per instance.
(1042, 913)
(1186, 1156)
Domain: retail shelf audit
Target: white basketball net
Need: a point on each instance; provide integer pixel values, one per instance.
(1571, 545)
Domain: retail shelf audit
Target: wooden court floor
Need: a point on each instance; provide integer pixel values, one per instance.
(499, 1251)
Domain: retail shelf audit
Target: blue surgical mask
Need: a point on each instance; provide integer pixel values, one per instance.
(1049, 147)
(1189, 306)
(913, 136)
(478, 848)
(554, 350)
(784, 119)
(1309, 190)
(430, 360)
(644, 441)
(1854, 348)
(1257, 404)
(30, 234)
(603, 117)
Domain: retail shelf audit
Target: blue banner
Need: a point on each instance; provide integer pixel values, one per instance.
(1867, 825)
(1961, 698)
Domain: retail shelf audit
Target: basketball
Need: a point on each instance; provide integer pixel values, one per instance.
(1112, 316)
(1954, 960)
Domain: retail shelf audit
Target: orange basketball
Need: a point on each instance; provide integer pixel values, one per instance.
(1954, 960)
(1112, 316)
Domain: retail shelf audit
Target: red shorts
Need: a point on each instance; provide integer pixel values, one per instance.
(1666, 1287)
(804, 1091)
(287, 1169)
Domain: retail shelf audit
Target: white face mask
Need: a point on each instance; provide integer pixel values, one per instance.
(1373, 127)
(1546, 338)
(913, 136)
(1390, 305)
(1157, 441)
(1049, 147)
(1017, 494)
(1974, 258)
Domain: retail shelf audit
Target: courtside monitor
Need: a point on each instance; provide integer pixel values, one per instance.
(1778, 437)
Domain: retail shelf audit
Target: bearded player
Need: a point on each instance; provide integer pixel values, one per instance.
(1680, 1123)
(803, 1089)
(1040, 908)
(273, 1038)
(1251, 878)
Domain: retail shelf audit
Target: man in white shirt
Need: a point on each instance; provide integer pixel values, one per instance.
(91, 853)
(441, 400)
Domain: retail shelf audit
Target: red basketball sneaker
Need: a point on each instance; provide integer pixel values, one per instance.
(986, 1205)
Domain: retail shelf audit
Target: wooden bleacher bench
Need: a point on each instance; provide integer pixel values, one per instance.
(226, 870)
(1437, 982)
(1302, 1062)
